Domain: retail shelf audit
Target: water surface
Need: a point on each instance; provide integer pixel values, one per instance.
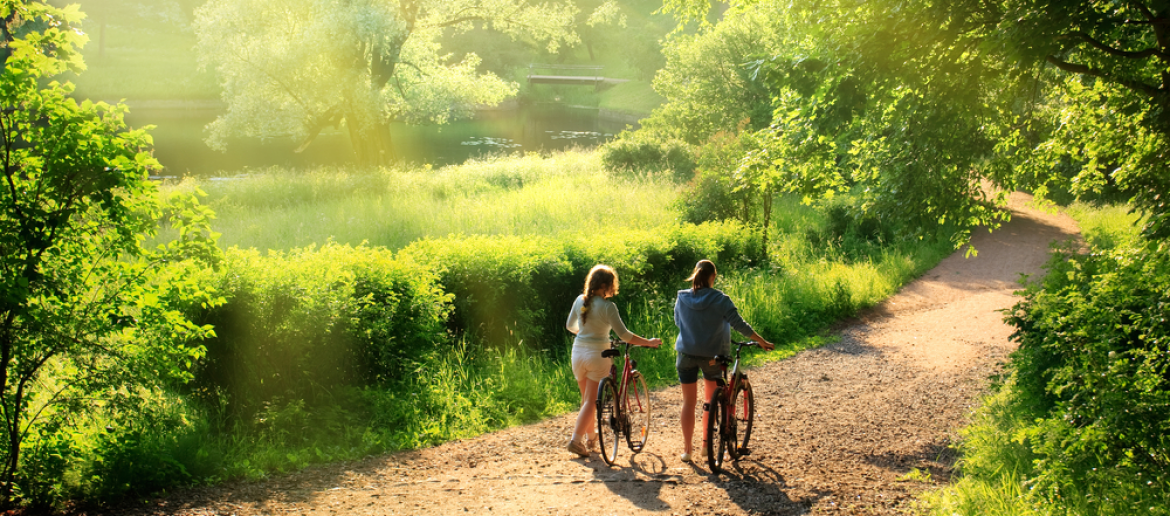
(179, 134)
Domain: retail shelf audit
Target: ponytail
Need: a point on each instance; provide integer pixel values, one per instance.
(701, 278)
(600, 280)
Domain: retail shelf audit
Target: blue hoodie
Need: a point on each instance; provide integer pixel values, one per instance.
(704, 321)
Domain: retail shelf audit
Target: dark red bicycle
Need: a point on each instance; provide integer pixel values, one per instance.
(731, 409)
(623, 405)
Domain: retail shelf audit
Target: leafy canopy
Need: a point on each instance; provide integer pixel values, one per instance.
(931, 101)
(85, 311)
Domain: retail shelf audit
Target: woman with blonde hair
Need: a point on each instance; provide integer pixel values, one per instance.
(705, 317)
(591, 319)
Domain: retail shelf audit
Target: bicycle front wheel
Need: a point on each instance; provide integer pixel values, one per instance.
(716, 416)
(741, 414)
(636, 407)
(609, 426)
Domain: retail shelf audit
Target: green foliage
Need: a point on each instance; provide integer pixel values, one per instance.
(507, 289)
(296, 67)
(636, 153)
(717, 192)
(297, 325)
(1093, 355)
(1078, 426)
(89, 318)
(633, 97)
(1108, 142)
(708, 90)
(1106, 226)
(502, 195)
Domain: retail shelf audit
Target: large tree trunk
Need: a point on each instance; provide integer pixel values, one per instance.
(372, 145)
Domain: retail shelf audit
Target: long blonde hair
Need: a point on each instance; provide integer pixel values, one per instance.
(600, 280)
(701, 278)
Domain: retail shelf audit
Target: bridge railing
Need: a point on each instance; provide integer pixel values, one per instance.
(565, 70)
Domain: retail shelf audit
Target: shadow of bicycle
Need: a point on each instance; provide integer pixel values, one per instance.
(758, 489)
(640, 483)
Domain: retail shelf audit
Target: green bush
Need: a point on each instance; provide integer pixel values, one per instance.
(716, 192)
(512, 289)
(635, 153)
(1094, 358)
(295, 324)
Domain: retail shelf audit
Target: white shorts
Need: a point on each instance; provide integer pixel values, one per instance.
(588, 363)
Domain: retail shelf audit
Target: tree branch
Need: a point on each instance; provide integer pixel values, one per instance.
(1140, 54)
(329, 119)
(1139, 87)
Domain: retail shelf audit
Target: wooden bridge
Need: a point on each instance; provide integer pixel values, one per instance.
(583, 75)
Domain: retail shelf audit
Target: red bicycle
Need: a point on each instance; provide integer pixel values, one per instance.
(730, 412)
(623, 405)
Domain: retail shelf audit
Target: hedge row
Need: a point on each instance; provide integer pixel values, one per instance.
(296, 325)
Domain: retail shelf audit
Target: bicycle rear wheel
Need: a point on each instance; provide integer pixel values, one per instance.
(716, 415)
(609, 427)
(742, 413)
(636, 407)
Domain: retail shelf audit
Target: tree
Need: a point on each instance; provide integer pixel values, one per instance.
(296, 67)
(951, 94)
(88, 317)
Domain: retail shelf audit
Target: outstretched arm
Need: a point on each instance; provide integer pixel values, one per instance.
(646, 343)
(768, 346)
(615, 322)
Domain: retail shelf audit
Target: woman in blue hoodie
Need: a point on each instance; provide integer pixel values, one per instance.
(705, 317)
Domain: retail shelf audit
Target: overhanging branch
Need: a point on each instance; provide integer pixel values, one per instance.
(1140, 54)
(1137, 86)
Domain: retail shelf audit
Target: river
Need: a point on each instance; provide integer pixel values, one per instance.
(179, 133)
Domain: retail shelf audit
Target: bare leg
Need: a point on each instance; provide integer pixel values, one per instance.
(586, 419)
(687, 417)
(709, 387)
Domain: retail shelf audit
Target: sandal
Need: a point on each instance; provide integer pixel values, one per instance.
(575, 446)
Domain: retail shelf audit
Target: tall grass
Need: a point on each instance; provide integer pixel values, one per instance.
(567, 192)
(1106, 226)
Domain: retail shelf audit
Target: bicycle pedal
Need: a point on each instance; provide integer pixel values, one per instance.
(745, 451)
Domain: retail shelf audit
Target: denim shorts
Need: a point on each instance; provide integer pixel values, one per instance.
(689, 365)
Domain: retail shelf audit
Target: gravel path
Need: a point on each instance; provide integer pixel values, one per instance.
(837, 428)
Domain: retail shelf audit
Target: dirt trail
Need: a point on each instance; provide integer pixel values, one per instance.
(836, 426)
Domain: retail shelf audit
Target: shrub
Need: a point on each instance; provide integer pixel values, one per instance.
(297, 322)
(502, 286)
(511, 289)
(715, 192)
(634, 153)
(1093, 360)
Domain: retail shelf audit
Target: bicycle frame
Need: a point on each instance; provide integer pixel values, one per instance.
(730, 382)
(628, 367)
